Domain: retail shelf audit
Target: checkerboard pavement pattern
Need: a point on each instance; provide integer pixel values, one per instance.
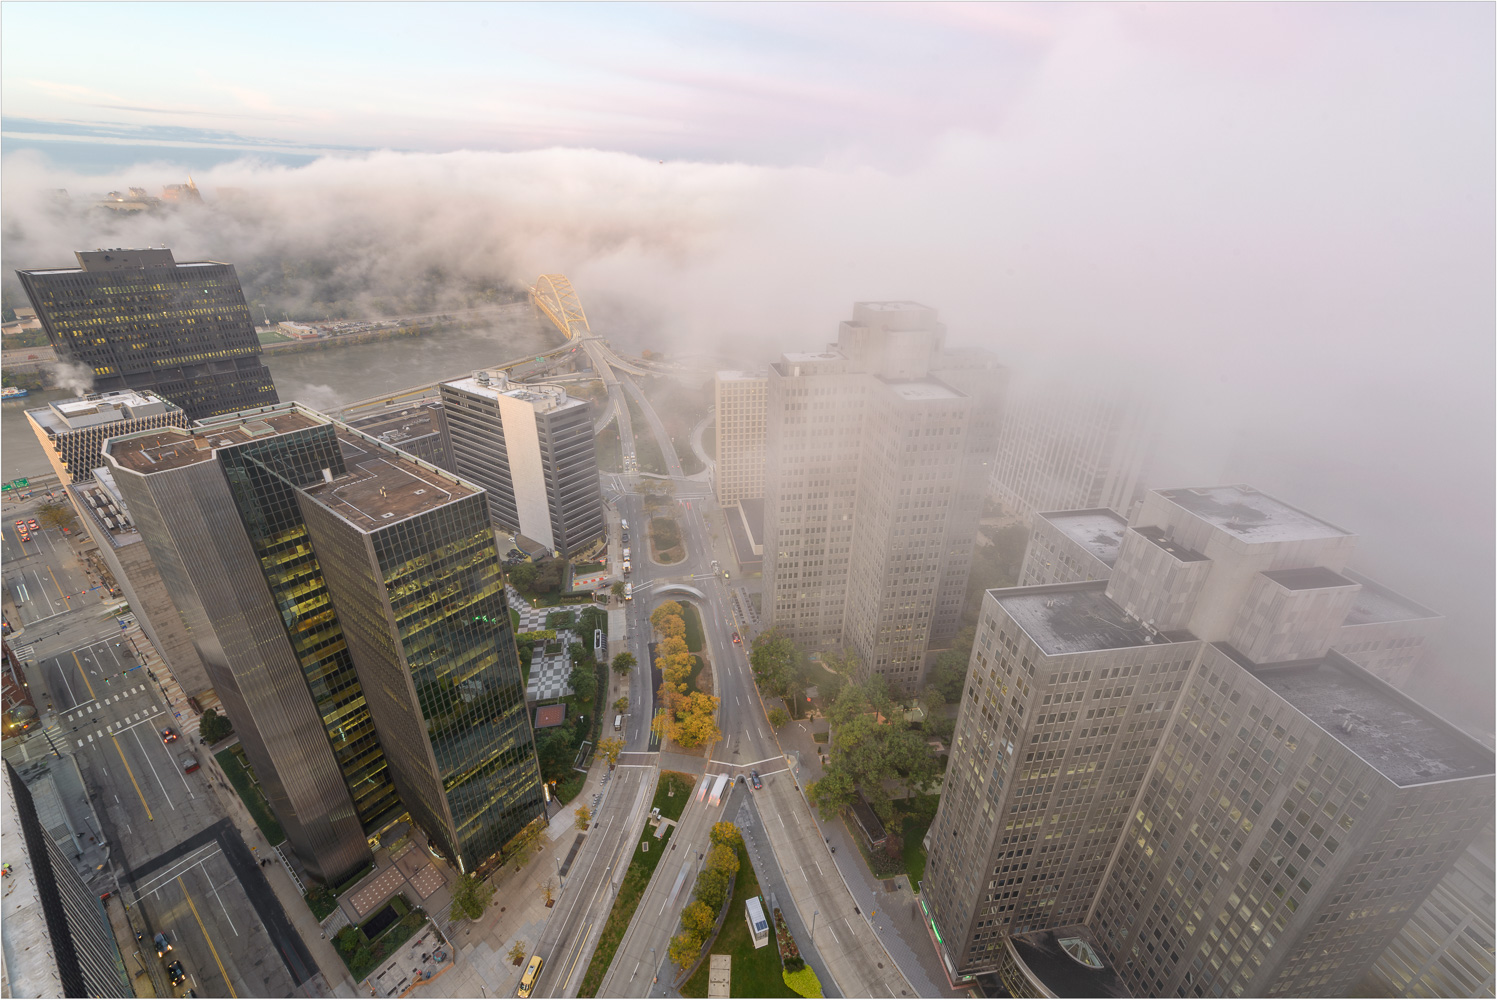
(549, 674)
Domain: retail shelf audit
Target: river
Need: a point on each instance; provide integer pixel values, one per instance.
(329, 378)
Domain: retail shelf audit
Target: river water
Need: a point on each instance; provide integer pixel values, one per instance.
(329, 378)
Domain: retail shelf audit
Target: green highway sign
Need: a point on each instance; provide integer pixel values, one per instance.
(14, 484)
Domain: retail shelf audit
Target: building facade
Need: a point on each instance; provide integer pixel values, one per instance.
(218, 510)
(1176, 757)
(107, 516)
(419, 430)
(1068, 446)
(72, 431)
(877, 452)
(740, 399)
(138, 319)
(58, 941)
(1072, 546)
(414, 572)
(532, 448)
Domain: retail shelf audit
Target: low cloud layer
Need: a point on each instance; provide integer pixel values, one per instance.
(1286, 237)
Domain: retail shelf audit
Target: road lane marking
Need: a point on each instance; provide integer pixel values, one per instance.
(576, 954)
(132, 778)
(85, 678)
(227, 985)
(59, 587)
(154, 774)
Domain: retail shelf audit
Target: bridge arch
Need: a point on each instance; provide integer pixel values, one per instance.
(680, 588)
(553, 296)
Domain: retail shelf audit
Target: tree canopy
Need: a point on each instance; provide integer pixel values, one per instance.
(777, 662)
(871, 743)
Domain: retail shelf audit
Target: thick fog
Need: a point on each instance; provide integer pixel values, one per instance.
(1287, 240)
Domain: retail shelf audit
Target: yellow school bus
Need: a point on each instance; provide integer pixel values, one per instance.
(532, 973)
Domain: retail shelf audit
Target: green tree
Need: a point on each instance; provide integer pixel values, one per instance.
(523, 577)
(584, 682)
(623, 663)
(949, 674)
(778, 717)
(622, 705)
(618, 589)
(724, 859)
(610, 747)
(470, 897)
(776, 662)
(214, 727)
(555, 751)
(668, 610)
(712, 888)
(584, 817)
(833, 793)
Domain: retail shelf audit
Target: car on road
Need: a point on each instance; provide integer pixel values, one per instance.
(20, 525)
(162, 945)
(168, 735)
(176, 973)
(626, 536)
(532, 973)
(755, 780)
(737, 637)
(189, 763)
(25, 537)
(31, 523)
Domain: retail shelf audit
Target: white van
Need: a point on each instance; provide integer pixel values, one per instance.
(618, 723)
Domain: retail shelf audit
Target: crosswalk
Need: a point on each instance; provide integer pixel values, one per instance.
(151, 714)
(24, 653)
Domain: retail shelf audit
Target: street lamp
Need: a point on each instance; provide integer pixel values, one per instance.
(814, 915)
(559, 875)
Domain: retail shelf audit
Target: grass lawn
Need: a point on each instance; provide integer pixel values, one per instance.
(694, 678)
(709, 439)
(921, 811)
(610, 453)
(636, 879)
(756, 971)
(254, 800)
(666, 528)
(693, 619)
(671, 806)
(690, 464)
(272, 338)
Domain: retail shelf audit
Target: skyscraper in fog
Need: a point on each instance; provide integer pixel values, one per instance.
(877, 453)
(138, 319)
(1177, 758)
(533, 449)
(740, 401)
(1068, 446)
(316, 564)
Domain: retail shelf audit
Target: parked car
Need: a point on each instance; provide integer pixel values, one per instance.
(176, 973)
(755, 780)
(168, 735)
(162, 945)
(31, 523)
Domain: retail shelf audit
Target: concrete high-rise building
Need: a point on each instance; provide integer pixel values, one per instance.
(106, 516)
(414, 574)
(419, 430)
(58, 942)
(740, 410)
(1176, 757)
(138, 319)
(1071, 546)
(877, 453)
(218, 509)
(72, 432)
(532, 447)
(1069, 446)
(1447, 947)
(348, 603)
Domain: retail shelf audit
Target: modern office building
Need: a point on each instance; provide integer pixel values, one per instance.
(1072, 446)
(72, 431)
(1070, 546)
(138, 319)
(348, 603)
(58, 942)
(1447, 947)
(740, 410)
(218, 509)
(532, 448)
(106, 517)
(1177, 758)
(414, 573)
(878, 450)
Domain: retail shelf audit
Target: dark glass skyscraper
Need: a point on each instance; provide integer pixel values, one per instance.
(139, 320)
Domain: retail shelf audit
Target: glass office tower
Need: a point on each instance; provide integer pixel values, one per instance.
(414, 572)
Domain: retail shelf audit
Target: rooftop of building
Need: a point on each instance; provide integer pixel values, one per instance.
(546, 398)
(122, 259)
(395, 426)
(1250, 515)
(1169, 545)
(1068, 962)
(1375, 603)
(104, 492)
(1308, 578)
(1098, 530)
(174, 448)
(742, 376)
(550, 715)
(65, 415)
(1404, 741)
(382, 487)
(921, 389)
(805, 357)
(1076, 618)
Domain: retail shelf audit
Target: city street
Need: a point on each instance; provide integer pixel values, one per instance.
(43, 579)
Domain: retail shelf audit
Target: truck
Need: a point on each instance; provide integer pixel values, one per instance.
(627, 567)
(718, 787)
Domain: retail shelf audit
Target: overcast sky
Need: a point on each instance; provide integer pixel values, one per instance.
(1278, 216)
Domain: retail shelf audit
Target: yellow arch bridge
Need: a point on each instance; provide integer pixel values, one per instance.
(553, 296)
